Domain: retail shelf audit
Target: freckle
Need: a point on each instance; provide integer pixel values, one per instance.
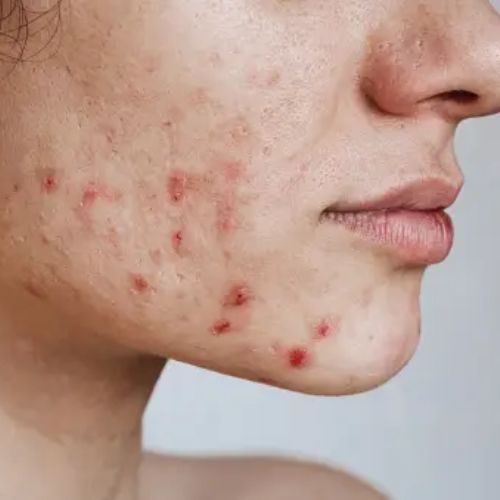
(237, 296)
(220, 327)
(298, 357)
(323, 329)
(176, 186)
(139, 283)
(16, 188)
(49, 184)
(177, 239)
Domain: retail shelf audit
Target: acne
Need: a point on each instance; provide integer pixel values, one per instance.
(298, 357)
(177, 239)
(225, 210)
(268, 78)
(176, 186)
(221, 327)
(324, 329)
(49, 184)
(238, 296)
(94, 191)
(139, 283)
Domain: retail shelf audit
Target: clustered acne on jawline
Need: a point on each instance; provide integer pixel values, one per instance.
(239, 296)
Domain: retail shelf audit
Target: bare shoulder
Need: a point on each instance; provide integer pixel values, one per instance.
(248, 478)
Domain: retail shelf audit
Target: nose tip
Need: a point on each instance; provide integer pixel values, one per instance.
(447, 64)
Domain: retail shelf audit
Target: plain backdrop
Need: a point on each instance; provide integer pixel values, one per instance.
(433, 432)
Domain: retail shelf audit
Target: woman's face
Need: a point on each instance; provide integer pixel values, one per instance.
(165, 174)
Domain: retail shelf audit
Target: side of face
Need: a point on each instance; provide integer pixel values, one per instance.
(176, 157)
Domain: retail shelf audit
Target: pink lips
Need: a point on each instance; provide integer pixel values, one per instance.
(408, 222)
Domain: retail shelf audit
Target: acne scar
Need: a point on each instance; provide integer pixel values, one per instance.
(237, 296)
(139, 283)
(93, 191)
(176, 186)
(298, 357)
(225, 213)
(156, 256)
(221, 326)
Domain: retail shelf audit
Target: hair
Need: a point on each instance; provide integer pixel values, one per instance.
(27, 33)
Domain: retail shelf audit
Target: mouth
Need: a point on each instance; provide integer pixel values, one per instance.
(409, 222)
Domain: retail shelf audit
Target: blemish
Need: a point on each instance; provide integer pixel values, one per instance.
(298, 357)
(49, 184)
(93, 191)
(34, 291)
(237, 296)
(220, 327)
(156, 256)
(176, 186)
(139, 283)
(324, 329)
(225, 214)
(232, 170)
(177, 238)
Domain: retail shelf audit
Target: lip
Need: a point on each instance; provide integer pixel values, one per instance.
(408, 222)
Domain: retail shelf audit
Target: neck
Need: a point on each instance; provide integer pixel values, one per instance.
(70, 416)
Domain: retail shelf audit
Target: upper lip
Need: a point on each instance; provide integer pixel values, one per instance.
(422, 194)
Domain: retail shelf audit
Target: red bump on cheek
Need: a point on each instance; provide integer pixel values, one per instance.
(176, 187)
(177, 239)
(324, 329)
(49, 184)
(298, 357)
(220, 327)
(237, 296)
(139, 283)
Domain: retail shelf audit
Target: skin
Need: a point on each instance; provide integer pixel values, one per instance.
(161, 183)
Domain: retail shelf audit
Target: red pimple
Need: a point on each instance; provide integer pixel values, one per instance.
(323, 329)
(298, 357)
(220, 327)
(139, 283)
(237, 296)
(177, 238)
(49, 184)
(176, 186)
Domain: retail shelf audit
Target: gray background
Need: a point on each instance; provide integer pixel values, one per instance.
(432, 433)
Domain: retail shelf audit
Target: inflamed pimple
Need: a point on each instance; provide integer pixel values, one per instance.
(238, 296)
(139, 283)
(324, 329)
(177, 238)
(220, 327)
(298, 357)
(49, 184)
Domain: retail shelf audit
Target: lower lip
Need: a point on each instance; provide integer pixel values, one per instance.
(414, 236)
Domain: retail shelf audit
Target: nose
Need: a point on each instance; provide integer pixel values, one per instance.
(437, 60)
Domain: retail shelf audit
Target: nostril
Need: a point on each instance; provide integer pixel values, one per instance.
(458, 96)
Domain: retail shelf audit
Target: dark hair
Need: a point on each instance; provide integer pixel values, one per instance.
(25, 34)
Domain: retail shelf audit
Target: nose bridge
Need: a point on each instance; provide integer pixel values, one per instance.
(436, 50)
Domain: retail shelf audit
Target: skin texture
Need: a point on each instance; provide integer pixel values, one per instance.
(161, 183)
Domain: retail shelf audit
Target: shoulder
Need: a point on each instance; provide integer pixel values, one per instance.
(248, 478)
